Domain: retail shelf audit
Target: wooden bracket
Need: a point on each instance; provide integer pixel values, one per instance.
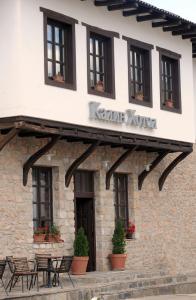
(153, 165)
(12, 133)
(171, 166)
(31, 161)
(119, 161)
(78, 162)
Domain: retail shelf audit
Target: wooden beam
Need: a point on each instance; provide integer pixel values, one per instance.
(130, 4)
(31, 161)
(133, 12)
(107, 2)
(78, 162)
(171, 166)
(153, 165)
(150, 17)
(8, 137)
(189, 36)
(166, 23)
(177, 27)
(119, 161)
(184, 31)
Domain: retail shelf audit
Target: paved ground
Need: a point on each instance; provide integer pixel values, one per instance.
(170, 297)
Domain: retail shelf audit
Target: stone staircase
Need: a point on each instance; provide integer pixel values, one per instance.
(115, 286)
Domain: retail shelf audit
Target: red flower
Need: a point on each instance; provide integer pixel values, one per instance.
(131, 228)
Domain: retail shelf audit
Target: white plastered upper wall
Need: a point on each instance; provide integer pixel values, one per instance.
(22, 87)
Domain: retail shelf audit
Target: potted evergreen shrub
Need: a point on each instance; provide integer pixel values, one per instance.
(81, 248)
(118, 256)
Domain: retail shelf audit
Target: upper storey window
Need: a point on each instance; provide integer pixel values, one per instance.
(100, 50)
(170, 80)
(140, 78)
(59, 37)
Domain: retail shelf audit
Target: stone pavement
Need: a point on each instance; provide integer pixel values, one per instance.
(170, 297)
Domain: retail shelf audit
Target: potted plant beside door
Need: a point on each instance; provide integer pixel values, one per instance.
(81, 249)
(118, 256)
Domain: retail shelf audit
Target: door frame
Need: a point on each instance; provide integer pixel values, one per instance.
(89, 195)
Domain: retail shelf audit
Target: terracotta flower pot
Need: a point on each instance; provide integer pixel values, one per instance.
(118, 261)
(169, 103)
(51, 238)
(39, 238)
(79, 265)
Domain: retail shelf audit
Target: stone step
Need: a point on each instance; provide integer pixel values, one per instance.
(165, 289)
(121, 289)
(106, 277)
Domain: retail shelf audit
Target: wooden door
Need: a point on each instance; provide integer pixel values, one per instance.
(84, 212)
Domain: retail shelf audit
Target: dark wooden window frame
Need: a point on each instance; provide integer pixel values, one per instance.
(109, 61)
(70, 50)
(38, 202)
(116, 203)
(176, 59)
(145, 50)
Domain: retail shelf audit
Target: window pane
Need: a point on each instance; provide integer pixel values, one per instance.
(57, 35)
(58, 69)
(92, 79)
(49, 33)
(97, 47)
(57, 52)
(50, 72)
(97, 65)
(49, 50)
(91, 62)
(91, 45)
(35, 211)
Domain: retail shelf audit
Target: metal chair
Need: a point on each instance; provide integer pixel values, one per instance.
(42, 264)
(61, 266)
(21, 269)
(2, 269)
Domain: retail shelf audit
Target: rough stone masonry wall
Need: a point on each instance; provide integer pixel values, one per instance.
(165, 221)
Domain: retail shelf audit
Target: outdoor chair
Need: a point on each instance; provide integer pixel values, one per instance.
(2, 269)
(42, 264)
(9, 260)
(61, 266)
(21, 269)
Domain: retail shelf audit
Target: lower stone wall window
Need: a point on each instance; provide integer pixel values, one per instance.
(42, 197)
(121, 198)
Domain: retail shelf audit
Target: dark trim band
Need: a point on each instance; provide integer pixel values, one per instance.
(101, 31)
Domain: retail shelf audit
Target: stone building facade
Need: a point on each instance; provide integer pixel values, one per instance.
(165, 221)
(46, 123)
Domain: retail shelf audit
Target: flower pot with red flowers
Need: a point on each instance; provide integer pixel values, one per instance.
(118, 256)
(53, 235)
(80, 259)
(39, 235)
(130, 230)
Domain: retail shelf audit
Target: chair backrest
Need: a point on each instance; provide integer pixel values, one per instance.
(2, 267)
(66, 263)
(42, 261)
(20, 265)
(9, 260)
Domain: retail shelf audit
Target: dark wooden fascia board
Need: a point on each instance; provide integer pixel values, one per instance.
(37, 155)
(138, 43)
(44, 126)
(98, 30)
(119, 161)
(171, 166)
(79, 161)
(169, 53)
(152, 166)
(60, 17)
(184, 31)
